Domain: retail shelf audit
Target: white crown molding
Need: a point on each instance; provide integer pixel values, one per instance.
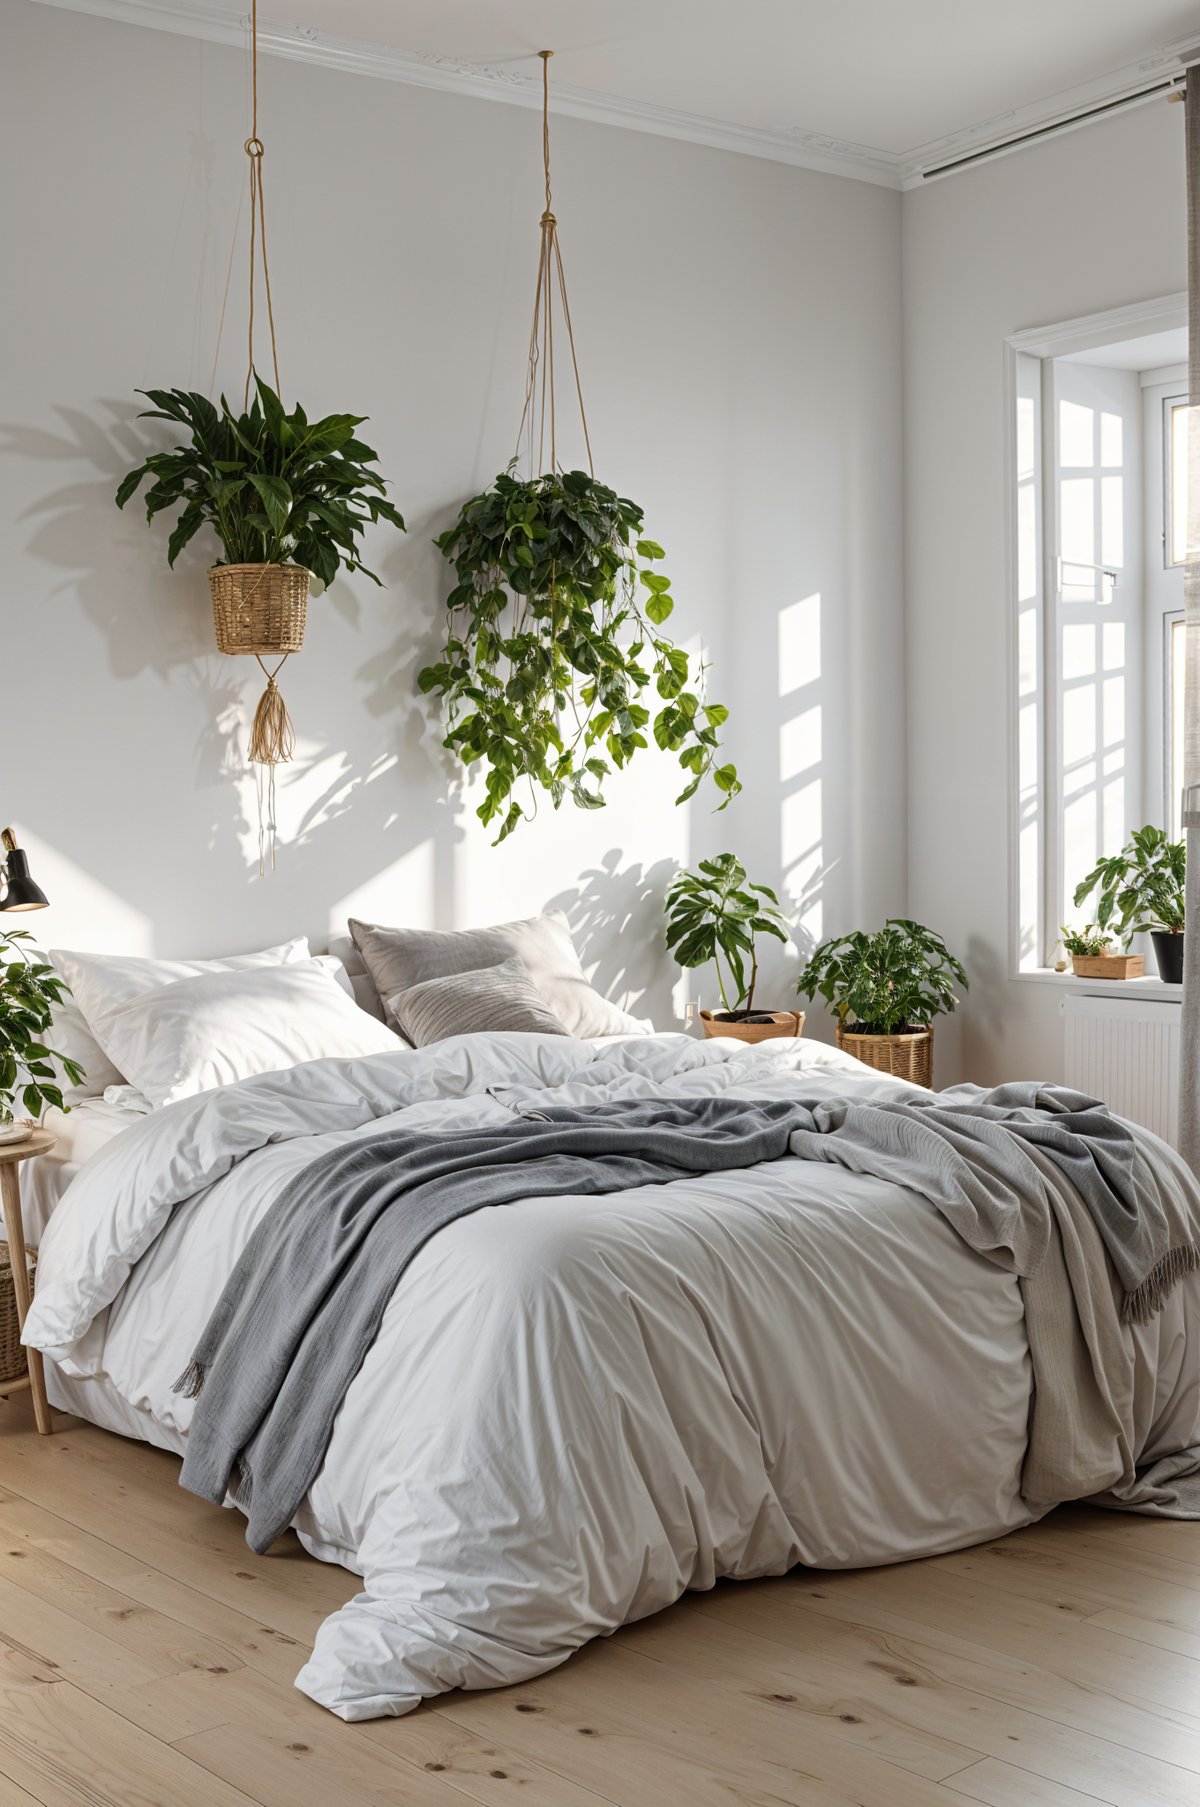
(780, 144)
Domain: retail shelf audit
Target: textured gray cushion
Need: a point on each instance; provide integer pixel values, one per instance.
(398, 959)
(488, 998)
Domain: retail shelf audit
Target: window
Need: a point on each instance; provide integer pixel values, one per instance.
(1099, 519)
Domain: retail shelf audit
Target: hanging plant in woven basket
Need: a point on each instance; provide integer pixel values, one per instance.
(554, 623)
(286, 497)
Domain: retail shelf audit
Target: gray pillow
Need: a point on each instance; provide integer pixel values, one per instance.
(398, 959)
(492, 998)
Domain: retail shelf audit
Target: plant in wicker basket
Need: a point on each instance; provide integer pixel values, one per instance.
(30, 989)
(276, 488)
(885, 990)
(716, 913)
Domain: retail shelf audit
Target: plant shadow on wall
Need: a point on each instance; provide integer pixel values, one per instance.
(152, 620)
(615, 913)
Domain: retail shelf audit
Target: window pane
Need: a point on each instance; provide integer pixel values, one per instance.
(1078, 522)
(1076, 434)
(1112, 521)
(1110, 441)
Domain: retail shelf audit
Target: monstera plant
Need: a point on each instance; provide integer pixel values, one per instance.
(555, 671)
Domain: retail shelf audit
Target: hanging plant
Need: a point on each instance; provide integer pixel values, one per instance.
(273, 487)
(553, 639)
(284, 496)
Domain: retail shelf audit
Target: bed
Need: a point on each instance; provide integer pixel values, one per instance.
(576, 1409)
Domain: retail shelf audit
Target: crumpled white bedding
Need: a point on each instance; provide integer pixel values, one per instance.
(577, 1409)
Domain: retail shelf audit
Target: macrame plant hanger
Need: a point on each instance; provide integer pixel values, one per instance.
(272, 735)
(539, 414)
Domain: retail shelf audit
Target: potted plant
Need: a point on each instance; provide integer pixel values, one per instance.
(285, 496)
(885, 990)
(714, 913)
(553, 640)
(1093, 955)
(29, 991)
(1141, 891)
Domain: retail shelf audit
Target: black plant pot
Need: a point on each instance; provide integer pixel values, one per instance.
(1168, 951)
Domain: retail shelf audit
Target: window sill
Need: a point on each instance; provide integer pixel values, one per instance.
(1148, 990)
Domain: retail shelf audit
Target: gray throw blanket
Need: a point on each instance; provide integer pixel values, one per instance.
(305, 1300)
(972, 1154)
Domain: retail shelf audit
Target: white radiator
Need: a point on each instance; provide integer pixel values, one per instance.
(1126, 1051)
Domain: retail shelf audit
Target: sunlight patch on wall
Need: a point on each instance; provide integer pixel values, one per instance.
(83, 912)
(800, 643)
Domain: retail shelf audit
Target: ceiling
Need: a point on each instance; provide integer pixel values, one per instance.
(1150, 351)
(871, 87)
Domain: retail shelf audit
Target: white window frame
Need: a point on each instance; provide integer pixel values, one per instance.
(1085, 333)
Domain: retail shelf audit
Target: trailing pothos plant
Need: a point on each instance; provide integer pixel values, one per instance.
(273, 486)
(553, 643)
(30, 990)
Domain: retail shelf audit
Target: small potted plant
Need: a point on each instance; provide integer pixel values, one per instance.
(284, 495)
(29, 991)
(716, 913)
(885, 990)
(1141, 891)
(1093, 955)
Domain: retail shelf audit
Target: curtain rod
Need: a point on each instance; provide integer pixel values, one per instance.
(1173, 86)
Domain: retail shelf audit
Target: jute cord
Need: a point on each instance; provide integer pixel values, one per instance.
(539, 410)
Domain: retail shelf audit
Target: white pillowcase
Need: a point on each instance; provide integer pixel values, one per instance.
(219, 1027)
(101, 981)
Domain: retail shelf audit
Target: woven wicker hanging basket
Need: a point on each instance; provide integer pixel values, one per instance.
(14, 1363)
(903, 1056)
(259, 608)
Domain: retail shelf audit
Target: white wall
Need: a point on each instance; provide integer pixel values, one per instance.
(1088, 221)
(739, 328)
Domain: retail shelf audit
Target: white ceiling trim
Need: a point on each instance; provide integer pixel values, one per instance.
(784, 144)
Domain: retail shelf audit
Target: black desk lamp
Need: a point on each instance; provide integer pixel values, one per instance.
(20, 892)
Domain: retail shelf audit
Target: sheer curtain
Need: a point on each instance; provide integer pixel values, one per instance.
(1189, 1101)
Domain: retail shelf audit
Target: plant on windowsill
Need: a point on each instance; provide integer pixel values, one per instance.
(885, 990)
(30, 990)
(717, 913)
(1141, 890)
(1093, 955)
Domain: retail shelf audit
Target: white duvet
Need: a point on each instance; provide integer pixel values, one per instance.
(577, 1408)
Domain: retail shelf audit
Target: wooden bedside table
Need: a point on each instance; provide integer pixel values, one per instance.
(11, 1156)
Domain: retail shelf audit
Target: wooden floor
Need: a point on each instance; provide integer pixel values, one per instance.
(147, 1657)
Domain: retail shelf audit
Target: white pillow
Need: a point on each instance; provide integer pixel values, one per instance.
(100, 981)
(220, 1027)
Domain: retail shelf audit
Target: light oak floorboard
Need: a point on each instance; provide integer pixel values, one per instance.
(147, 1660)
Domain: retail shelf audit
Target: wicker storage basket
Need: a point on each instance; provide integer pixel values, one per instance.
(783, 1022)
(903, 1056)
(13, 1362)
(259, 608)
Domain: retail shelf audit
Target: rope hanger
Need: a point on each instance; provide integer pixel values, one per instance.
(539, 384)
(258, 216)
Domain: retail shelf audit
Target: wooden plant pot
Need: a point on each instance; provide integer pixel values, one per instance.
(783, 1023)
(1108, 966)
(259, 608)
(903, 1056)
